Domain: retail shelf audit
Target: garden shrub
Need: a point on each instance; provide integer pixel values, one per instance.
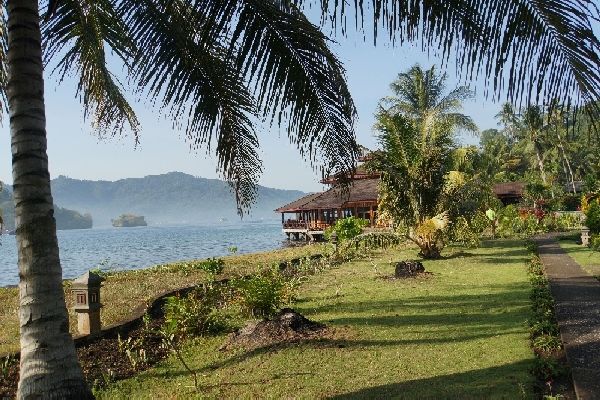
(512, 222)
(461, 232)
(198, 313)
(595, 242)
(212, 265)
(347, 228)
(543, 327)
(479, 222)
(592, 217)
(262, 295)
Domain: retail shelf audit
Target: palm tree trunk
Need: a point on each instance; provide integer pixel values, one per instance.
(49, 367)
(540, 161)
(570, 175)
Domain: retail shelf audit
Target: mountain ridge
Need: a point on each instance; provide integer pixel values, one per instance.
(171, 198)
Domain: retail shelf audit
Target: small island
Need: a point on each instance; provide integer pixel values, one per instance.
(70, 219)
(129, 220)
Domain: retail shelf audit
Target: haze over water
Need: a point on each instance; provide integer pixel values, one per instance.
(141, 247)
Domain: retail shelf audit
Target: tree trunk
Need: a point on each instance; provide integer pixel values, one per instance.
(49, 367)
(540, 161)
(569, 171)
(430, 248)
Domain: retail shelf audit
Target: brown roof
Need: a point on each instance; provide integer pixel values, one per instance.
(359, 173)
(364, 190)
(296, 205)
(509, 189)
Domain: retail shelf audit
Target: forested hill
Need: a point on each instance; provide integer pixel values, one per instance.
(65, 218)
(173, 198)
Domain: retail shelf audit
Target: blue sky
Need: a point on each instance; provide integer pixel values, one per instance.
(74, 151)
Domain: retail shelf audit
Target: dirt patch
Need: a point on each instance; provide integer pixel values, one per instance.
(105, 360)
(287, 326)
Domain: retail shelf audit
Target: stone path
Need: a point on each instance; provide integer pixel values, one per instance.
(577, 297)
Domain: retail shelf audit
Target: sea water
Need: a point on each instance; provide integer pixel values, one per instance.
(142, 247)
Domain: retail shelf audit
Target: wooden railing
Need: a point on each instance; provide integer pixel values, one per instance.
(308, 225)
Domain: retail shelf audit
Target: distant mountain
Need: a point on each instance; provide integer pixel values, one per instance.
(172, 198)
(7, 209)
(65, 218)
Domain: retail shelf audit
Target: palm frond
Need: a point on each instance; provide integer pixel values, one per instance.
(194, 82)
(533, 50)
(77, 32)
(297, 81)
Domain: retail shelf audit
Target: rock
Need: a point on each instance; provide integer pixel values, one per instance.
(407, 269)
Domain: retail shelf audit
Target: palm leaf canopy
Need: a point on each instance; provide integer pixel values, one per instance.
(216, 67)
(420, 95)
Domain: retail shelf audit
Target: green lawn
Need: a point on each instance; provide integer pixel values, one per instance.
(459, 333)
(584, 256)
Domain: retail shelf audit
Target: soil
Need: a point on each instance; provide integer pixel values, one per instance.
(287, 326)
(105, 360)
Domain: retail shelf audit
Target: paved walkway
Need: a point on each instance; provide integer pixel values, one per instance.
(577, 297)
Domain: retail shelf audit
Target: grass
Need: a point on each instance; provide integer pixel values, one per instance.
(122, 292)
(584, 256)
(458, 333)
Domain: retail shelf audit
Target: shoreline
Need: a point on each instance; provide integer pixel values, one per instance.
(125, 290)
(292, 245)
(145, 247)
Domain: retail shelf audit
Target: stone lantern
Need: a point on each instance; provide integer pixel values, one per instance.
(86, 293)
(334, 240)
(585, 236)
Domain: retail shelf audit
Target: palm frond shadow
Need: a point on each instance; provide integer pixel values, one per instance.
(476, 384)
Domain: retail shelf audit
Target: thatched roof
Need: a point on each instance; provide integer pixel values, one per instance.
(296, 205)
(509, 189)
(364, 190)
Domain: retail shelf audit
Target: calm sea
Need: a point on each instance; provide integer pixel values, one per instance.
(134, 248)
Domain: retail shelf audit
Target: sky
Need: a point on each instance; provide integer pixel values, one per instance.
(74, 150)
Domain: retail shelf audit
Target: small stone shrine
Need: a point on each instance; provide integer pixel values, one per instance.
(86, 293)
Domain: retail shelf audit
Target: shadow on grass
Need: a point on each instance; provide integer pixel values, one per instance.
(324, 343)
(458, 254)
(501, 297)
(495, 382)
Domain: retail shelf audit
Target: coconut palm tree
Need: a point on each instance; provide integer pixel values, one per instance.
(413, 169)
(200, 67)
(215, 65)
(419, 95)
(416, 133)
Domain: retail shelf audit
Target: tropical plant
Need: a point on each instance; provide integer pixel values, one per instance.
(592, 217)
(347, 228)
(262, 294)
(202, 60)
(419, 96)
(416, 134)
(198, 60)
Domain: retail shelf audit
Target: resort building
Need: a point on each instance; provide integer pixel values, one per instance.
(308, 217)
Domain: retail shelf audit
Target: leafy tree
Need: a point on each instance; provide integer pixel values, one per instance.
(413, 167)
(202, 61)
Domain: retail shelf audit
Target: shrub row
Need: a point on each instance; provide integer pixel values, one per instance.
(543, 328)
